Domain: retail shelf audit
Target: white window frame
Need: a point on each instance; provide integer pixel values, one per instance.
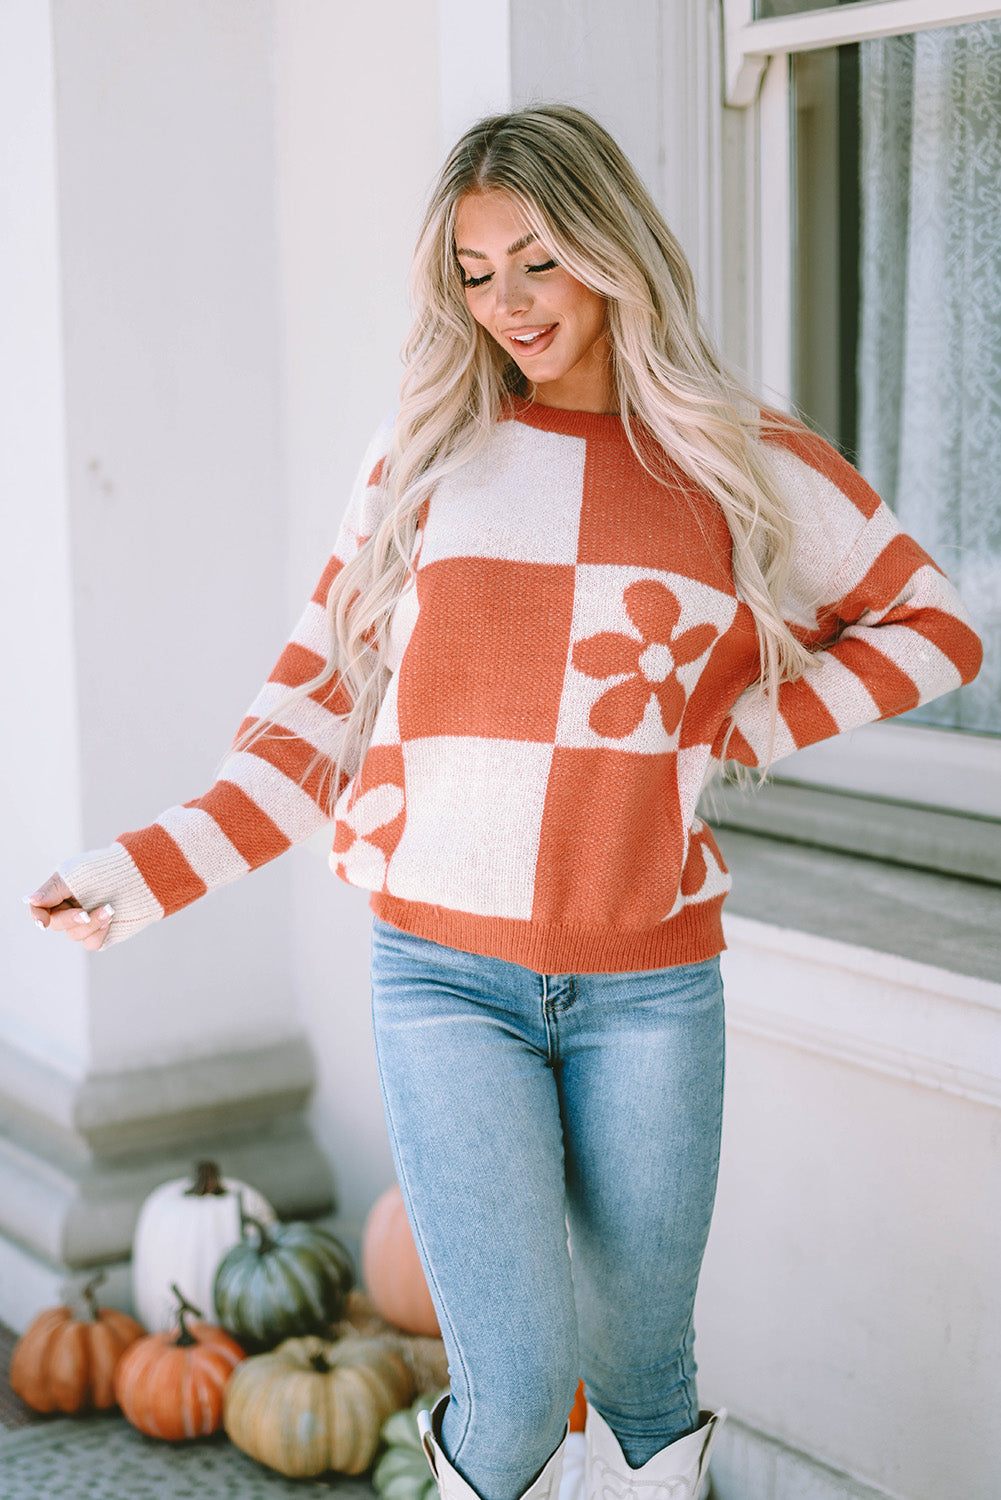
(940, 768)
(750, 45)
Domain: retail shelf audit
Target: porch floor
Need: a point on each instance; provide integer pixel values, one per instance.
(102, 1458)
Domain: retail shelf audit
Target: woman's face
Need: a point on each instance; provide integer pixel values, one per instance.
(550, 324)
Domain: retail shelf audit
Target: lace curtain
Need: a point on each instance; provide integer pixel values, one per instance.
(929, 364)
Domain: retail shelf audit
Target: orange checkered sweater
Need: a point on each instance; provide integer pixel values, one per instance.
(567, 660)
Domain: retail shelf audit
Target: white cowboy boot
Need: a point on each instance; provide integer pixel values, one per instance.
(574, 1467)
(452, 1486)
(678, 1472)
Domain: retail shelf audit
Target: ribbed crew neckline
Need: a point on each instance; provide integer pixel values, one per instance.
(584, 424)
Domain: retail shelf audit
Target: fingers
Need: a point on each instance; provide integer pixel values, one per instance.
(54, 892)
(54, 906)
(96, 930)
(88, 928)
(43, 915)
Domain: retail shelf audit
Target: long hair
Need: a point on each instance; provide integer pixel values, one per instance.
(581, 197)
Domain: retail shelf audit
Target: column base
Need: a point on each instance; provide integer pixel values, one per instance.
(79, 1155)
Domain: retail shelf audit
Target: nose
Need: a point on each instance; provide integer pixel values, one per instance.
(512, 294)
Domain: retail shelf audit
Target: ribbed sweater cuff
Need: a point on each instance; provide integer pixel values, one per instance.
(110, 875)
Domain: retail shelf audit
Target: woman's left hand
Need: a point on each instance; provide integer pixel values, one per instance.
(54, 905)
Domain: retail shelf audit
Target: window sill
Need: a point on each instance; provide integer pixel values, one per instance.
(897, 832)
(922, 915)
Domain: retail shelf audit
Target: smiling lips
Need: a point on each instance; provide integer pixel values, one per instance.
(529, 340)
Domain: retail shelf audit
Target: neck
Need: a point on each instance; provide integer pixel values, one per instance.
(587, 387)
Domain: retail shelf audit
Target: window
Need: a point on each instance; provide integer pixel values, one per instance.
(878, 188)
(766, 9)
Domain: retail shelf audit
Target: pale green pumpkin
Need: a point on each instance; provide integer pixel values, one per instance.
(403, 1472)
(311, 1405)
(280, 1282)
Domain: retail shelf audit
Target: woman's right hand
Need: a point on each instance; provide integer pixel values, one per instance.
(54, 906)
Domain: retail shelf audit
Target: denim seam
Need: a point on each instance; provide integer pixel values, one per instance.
(552, 1008)
(687, 1343)
(549, 1022)
(557, 1003)
(425, 1257)
(571, 995)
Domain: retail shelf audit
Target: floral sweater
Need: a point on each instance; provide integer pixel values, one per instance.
(567, 661)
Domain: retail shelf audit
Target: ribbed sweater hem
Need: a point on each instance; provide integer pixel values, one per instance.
(694, 935)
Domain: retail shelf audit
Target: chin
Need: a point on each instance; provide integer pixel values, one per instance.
(539, 376)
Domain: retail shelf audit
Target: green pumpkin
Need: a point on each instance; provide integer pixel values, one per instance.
(403, 1472)
(282, 1281)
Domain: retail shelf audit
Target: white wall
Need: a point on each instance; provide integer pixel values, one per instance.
(647, 72)
(847, 1300)
(358, 142)
(847, 1304)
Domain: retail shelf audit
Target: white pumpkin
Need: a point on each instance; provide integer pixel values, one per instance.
(183, 1231)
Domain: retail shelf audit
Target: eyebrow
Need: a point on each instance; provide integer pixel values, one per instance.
(526, 239)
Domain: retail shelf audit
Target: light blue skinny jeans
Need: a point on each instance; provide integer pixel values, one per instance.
(520, 1105)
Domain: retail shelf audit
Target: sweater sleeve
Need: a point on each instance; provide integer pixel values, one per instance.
(267, 797)
(886, 629)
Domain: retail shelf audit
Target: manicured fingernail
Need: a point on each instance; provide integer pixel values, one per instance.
(40, 923)
(106, 912)
(31, 900)
(81, 916)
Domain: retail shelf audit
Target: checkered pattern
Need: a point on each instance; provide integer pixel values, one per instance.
(568, 659)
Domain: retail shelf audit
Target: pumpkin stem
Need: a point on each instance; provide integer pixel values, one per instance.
(185, 1337)
(87, 1294)
(207, 1181)
(264, 1240)
(320, 1364)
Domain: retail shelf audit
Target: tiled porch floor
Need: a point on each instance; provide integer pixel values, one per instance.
(13, 1412)
(80, 1462)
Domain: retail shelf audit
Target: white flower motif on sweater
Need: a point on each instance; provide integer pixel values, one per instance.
(355, 858)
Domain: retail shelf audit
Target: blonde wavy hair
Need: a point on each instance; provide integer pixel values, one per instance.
(581, 197)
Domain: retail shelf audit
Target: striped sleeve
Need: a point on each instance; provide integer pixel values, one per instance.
(889, 631)
(267, 797)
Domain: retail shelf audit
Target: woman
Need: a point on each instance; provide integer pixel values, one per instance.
(581, 570)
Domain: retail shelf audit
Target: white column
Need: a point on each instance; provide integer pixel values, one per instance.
(146, 544)
(43, 1003)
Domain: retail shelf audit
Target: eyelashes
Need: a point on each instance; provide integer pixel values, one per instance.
(473, 281)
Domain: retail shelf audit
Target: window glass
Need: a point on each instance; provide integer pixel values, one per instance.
(897, 287)
(765, 8)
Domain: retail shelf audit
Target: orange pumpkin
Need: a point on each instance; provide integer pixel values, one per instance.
(391, 1268)
(65, 1362)
(578, 1415)
(170, 1385)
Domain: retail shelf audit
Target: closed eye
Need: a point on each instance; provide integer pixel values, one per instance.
(471, 281)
